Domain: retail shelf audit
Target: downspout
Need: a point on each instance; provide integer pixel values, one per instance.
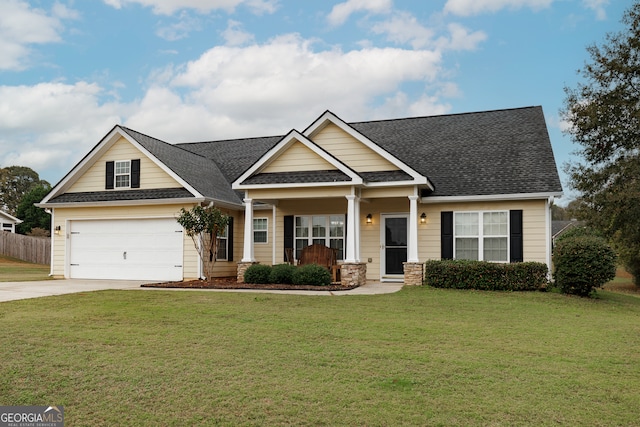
(548, 204)
(273, 234)
(53, 226)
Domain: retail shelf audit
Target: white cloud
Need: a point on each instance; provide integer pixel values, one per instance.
(22, 26)
(169, 7)
(270, 88)
(51, 126)
(180, 29)
(234, 35)
(404, 28)
(598, 6)
(475, 7)
(341, 12)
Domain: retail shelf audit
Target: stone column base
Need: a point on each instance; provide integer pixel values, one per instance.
(242, 267)
(413, 273)
(353, 274)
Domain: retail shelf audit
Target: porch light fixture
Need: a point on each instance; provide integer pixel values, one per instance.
(369, 218)
(423, 218)
(57, 229)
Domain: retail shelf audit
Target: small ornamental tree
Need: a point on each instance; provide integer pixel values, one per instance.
(204, 226)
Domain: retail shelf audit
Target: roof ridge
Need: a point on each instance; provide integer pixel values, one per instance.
(127, 129)
(446, 115)
(230, 140)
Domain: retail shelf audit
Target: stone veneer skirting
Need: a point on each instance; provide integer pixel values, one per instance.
(353, 274)
(413, 273)
(242, 267)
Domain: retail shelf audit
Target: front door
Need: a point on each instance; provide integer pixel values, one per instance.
(394, 245)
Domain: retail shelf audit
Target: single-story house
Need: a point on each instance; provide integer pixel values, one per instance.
(9, 222)
(387, 195)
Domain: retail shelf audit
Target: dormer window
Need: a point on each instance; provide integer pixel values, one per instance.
(123, 174)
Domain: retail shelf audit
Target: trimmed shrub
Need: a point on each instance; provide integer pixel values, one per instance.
(311, 274)
(257, 274)
(486, 276)
(583, 264)
(282, 273)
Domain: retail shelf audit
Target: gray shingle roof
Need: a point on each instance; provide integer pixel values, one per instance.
(482, 153)
(201, 173)
(298, 177)
(122, 195)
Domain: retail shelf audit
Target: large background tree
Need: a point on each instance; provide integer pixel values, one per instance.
(604, 114)
(33, 217)
(15, 182)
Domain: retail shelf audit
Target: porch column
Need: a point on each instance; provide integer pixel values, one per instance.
(247, 254)
(353, 224)
(413, 230)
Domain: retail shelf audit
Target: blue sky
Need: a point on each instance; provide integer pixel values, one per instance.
(194, 70)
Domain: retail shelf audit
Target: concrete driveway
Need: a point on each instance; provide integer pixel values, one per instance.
(10, 291)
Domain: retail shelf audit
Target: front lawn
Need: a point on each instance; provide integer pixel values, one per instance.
(422, 356)
(15, 270)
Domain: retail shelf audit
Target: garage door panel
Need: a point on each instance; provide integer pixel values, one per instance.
(135, 249)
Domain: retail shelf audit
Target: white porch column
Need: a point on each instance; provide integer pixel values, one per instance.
(353, 224)
(413, 230)
(247, 254)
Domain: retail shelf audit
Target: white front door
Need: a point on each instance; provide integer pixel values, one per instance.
(394, 244)
(127, 249)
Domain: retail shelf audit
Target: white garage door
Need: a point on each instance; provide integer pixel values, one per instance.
(128, 249)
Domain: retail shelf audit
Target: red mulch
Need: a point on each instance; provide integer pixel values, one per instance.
(232, 283)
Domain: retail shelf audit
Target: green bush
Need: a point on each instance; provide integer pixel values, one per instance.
(487, 276)
(583, 264)
(282, 273)
(257, 274)
(311, 274)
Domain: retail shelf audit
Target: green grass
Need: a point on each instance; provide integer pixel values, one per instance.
(15, 270)
(418, 357)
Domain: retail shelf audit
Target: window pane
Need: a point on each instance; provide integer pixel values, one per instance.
(300, 244)
(495, 249)
(260, 236)
(122, 167)
(466, 224)
(336, 226)
(302, 226)
(260, 223)
(319, 226)
(122, 181)
(494, 224)
(339, 245)
(466, 248)
(222, 249)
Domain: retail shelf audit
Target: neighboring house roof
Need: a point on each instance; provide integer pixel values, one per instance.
(10, 218)
(560, 227)
(501, 152)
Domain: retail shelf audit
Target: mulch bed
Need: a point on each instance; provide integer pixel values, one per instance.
(232, 283)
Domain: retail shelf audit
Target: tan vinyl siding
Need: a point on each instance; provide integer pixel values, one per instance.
(63, 215)
(151, 176)
(299, 193)
(351, 151)
(263, 251)
(533, 219)
(298, 157)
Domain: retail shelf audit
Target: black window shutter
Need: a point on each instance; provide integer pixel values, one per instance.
(135, 173)
(108, 185)
(515, 236)
(446, 235)
(230, 239)
(288, 234)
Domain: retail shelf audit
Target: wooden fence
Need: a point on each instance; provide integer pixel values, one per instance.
(26, 248)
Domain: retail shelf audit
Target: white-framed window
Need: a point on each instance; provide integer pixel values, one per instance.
(326, 230)
(260, 228)
(122, 173)
(481, 236)
(223, 245)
